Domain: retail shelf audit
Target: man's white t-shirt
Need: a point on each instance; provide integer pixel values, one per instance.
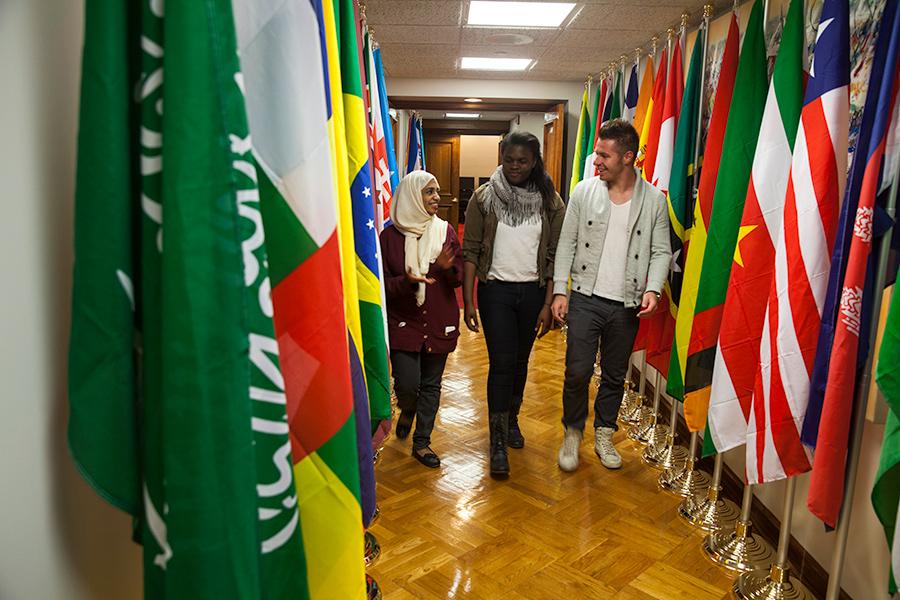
(515, 251)
(611, 271)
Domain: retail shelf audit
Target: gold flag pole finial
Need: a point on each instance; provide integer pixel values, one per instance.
(684, 20)
(637, 56)
(622, 60)
(707, 11)
(670, 33)
(653, 43)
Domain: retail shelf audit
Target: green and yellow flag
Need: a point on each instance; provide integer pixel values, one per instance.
(582, 142)
(886, 491)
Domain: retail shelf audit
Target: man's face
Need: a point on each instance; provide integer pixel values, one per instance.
(610, 161)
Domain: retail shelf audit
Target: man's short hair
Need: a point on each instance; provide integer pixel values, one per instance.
(622, 133)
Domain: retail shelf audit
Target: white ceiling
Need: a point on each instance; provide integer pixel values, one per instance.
(486, 115)
(426, 38)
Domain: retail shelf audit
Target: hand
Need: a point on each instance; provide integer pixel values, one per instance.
(560, 307)
(445, 259)
(648, 305)
(544, 322)
(416, 280)
(470, 316)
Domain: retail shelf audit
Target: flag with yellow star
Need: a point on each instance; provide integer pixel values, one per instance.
(738, 149)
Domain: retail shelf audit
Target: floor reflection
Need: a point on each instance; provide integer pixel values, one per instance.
(454, 532)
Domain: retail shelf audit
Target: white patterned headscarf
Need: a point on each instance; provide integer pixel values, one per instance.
(425, 234)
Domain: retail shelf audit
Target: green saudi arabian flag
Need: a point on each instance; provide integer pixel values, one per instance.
(177, 409)
(886, 491)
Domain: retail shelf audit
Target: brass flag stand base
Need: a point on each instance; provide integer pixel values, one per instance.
(740, 550)
(648, 431)
(665, 456)
(686, 481)
(708, 511)
(774, 584)
(372, 548)
(373, 592)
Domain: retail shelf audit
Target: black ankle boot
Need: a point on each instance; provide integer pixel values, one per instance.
(499, 423)
(515, 439)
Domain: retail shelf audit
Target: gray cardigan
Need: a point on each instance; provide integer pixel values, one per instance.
(584, 232)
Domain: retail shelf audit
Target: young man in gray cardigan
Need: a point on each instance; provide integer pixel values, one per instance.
(615, 248)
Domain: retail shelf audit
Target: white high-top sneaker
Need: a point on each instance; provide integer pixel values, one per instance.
(568, 452)
(604, 448)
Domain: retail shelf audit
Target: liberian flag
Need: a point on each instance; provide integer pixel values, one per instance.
(737, 352)
(797, 296)
(292, 144)
(848, 352)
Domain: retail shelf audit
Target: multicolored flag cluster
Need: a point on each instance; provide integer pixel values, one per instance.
(251, 281)
(696, 246)
(848, 315)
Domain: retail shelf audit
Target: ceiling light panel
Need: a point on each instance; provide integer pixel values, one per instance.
(518, 14)
(494, 64)
(453, 115)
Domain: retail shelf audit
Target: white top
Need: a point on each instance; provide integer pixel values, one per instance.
(611, 271)
(515, 251)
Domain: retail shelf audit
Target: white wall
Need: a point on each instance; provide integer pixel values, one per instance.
(57, 538)
(478, 155)
(532, 123)
(493, 88)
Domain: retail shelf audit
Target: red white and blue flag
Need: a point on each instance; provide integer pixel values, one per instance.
(802, 258)
(843, 341)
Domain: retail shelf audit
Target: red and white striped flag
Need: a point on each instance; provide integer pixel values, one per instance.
(802, 258)
(737, 353)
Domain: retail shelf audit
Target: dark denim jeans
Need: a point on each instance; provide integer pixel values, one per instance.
(509, 312)
(417, 383)
(592, 319)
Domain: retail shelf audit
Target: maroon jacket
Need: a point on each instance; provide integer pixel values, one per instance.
(434, 326)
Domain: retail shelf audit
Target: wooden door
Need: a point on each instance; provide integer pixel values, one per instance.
(442, 161)
(554, 145)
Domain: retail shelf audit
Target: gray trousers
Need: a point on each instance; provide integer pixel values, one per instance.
(591, 320)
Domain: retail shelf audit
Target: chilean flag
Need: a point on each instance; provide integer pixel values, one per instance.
(843, 343)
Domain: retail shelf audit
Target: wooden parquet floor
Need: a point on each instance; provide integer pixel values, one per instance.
(454, 532)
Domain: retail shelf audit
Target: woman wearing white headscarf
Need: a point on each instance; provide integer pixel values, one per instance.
(422, 266)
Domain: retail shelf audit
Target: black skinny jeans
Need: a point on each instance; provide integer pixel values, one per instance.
(417, 383)
(509, 312)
